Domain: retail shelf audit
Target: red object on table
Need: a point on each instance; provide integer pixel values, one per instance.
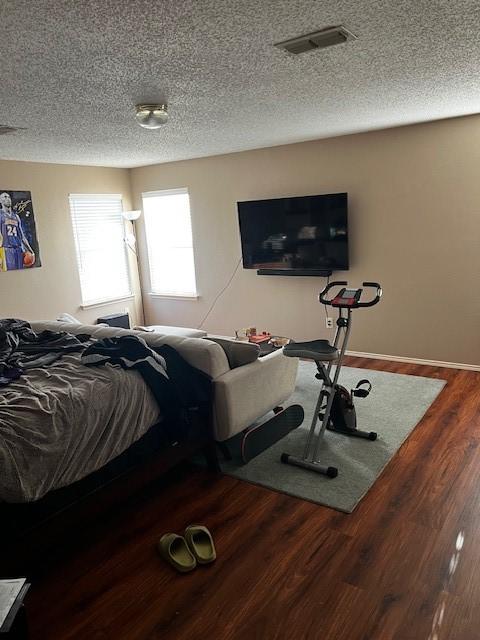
(262, 337)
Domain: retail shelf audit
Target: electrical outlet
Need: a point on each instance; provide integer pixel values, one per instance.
(329, 323)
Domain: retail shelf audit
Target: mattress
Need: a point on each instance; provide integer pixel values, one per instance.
(60, 423)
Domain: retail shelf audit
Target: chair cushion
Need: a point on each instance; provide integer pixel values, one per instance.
(183, 332)
(318, 350)
(203, 355)
(238, 353)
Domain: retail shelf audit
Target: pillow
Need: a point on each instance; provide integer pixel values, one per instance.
(238, 353)
(66, 317)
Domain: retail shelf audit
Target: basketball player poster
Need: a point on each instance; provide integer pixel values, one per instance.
(18, 235)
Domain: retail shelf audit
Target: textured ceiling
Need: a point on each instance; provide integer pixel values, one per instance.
(71, 72)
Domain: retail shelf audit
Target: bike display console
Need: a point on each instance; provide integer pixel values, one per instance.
(347, 298)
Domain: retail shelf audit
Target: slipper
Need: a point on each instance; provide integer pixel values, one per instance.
(200, 543)
(175, 551)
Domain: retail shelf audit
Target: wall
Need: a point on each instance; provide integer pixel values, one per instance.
(414, 195)
(53, 288)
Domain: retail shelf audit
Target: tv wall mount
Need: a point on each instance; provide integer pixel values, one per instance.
(322, 273)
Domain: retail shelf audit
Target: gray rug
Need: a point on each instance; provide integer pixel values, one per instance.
(393, 409)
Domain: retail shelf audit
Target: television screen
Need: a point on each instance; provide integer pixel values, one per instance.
(309, 232)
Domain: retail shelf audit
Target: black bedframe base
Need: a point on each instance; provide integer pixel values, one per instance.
(25, 527)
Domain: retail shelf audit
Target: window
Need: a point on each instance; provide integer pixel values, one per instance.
(102, 260)
(169, 243)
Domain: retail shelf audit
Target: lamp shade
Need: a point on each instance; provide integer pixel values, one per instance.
(132, 215)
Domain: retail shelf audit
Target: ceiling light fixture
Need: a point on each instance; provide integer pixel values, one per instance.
(151, 116)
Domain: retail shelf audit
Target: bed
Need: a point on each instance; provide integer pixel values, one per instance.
(60, 423)
(67, 431)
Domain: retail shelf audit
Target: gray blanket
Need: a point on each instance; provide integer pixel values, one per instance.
(22, 348)
(60, 423)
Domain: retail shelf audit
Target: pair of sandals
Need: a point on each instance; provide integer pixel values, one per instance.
(184, 552)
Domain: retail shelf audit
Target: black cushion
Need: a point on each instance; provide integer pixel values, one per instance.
(320, 350)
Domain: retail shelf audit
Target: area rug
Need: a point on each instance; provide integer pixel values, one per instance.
(393, 409)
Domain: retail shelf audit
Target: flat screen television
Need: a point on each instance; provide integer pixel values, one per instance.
(294, 235)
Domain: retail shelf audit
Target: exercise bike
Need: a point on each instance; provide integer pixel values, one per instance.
(335, 405)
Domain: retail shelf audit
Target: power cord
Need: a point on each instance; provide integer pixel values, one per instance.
(325, 306)
(226, 287)
(220, 293)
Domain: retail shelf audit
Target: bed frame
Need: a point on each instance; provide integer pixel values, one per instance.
(25, 528)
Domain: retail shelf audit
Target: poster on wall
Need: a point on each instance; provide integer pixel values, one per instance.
(18, 235)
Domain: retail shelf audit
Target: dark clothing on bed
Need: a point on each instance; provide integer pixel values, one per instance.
(22, 348)
(194, 386)
(176, 385)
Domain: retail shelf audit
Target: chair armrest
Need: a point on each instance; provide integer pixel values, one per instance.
(247, 393)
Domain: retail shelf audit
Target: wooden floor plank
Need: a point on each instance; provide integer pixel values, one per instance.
(405, 565)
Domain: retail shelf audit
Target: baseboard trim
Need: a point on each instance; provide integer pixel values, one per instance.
(430, 363)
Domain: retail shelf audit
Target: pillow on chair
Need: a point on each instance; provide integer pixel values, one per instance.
(66, 317)
(238, 353)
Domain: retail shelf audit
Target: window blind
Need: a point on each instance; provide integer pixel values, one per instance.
(99, 232)
(169, 243)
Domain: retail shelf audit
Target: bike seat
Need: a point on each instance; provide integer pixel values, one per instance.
(318, 350)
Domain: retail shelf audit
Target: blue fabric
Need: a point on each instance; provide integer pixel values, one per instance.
(13, 258)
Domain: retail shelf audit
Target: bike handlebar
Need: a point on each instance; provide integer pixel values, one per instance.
(378, 294)
(344, 283)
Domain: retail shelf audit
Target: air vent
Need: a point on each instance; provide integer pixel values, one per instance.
(5, 129)
(316, 40)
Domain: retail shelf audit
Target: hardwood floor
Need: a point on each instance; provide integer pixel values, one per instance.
(404, 566)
